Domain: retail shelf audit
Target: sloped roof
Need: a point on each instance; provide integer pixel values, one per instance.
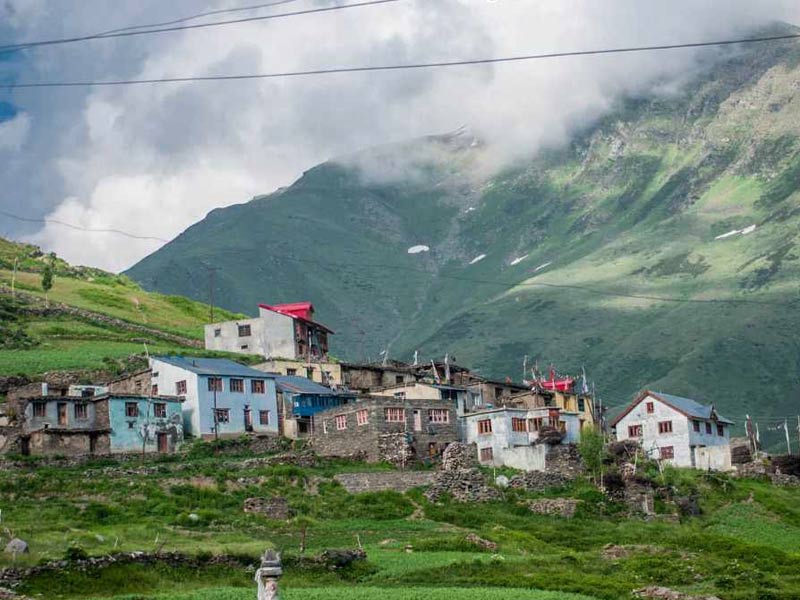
(302, 311)
(213, 366)
(687, 406)
(302, 385)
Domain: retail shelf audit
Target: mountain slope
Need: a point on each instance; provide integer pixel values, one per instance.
(633, 207)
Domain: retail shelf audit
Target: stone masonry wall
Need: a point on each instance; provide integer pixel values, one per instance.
(398, 481)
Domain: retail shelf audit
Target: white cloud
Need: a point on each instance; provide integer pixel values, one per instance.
(14, 132)
(153, 159)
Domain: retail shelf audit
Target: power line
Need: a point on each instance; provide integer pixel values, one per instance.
(196, 16)
(79, 228)
(97, 36)
(408, 66)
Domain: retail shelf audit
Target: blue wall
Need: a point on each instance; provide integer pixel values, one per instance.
(128, 433)
(236, 402)
(306, 405)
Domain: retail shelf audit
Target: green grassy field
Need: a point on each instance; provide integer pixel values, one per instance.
(744, 545)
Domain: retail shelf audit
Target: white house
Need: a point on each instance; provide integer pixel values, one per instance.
(280, 331)
(510, 436)
(678, 430)
(220, 396)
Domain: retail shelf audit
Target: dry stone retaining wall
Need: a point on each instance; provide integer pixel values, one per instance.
(398, 481)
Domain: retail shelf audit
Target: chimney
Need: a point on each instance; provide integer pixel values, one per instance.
(44, 388)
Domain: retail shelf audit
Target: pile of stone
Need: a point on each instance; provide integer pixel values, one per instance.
(565, 459)
(783, 480)
(558, 507)
(740, 451)
(478, 541)
(276, 508)
(538, 481)
(464, 485)
(396, 449)
(379, 481)
(459, 456)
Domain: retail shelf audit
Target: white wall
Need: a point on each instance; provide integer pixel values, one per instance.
(715, 458)
(168, 376)
(271, 335)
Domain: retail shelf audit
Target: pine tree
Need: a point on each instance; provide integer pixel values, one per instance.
(47, 282)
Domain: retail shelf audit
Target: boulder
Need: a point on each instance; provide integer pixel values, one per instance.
(17, 546)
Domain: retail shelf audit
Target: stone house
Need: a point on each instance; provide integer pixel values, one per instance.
(570, 401)
(386, 429)
(299, 399)
(458, 397)
(367, 377)
(520, 437)
(286, 331)
(220, 396)
(678, 430)
(324, 373)
(138, 383)
(493, 393)
(102, 424)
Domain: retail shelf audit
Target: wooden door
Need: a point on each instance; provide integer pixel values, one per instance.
(248, 419)
(163, 443)
(62, 414)
(417, 420)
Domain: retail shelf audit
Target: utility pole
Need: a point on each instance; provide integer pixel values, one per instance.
(798, 433)
(786, 431)
(211, 272)
(216, 416)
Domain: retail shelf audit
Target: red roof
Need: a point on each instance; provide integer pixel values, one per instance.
(297, 310)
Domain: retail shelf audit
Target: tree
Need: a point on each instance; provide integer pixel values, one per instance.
(303, 524)
(47, 281)
(592, 451)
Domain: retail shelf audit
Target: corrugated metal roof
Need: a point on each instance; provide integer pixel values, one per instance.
(213, 366)
(691, 407)
(301, 385)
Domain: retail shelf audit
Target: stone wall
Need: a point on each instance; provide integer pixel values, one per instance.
(398, 481)
(565, 459)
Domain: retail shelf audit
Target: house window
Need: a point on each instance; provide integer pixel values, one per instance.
(244, 346)
(341, 422)
(486, 455)
(581, 405)
(154, 390)
(263, 417)
(439, 415)
(160, 410)
(400, 395)
(720, 429)
(450, 395)
(395, 415)
(244, 331)
(291, 372)
(257, 386)
(398, 379)
(39, 409)
(696, 426)
(214, 384)
(667, 452)
(132, 410)
(651, 408)
(222, 415)
(237, 385)
(217, 332)
(81, 412)
(485, 426)
(498, 392)
(362, 416)
(535, 424)
(324, 427)
(665, 427)
(634, 431)
(708, 428)
(309, 372)
(180, 388)
(519, 425)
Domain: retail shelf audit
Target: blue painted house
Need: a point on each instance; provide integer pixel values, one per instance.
(220, 396)
(140, 423)
(299, 399)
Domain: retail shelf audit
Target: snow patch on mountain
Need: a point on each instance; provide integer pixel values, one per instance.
(544, 266)
(418, 249)
(477, 259)
(745, 231)
(518, 260)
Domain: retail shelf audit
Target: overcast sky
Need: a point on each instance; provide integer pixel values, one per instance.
(152, 160)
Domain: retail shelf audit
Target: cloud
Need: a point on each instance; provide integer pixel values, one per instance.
(154, 159)
(14, 132)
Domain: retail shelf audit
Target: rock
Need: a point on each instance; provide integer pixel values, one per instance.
(193, 517)
(465, 485)
(17, 546)
(458, 456)
(560, 507)
(501, 481)
(338, 559)
(663, 593)
(615, 552)
(276, 508)
(480, 542)
(782, 480)
(537, 481)
(689, 506)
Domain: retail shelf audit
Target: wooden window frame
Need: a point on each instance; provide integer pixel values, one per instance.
(519, 425)
(180, 387)
(393, 414)
(362, 416)
(664, 427)
(236, 385)
(341, 422)
(258, 386)
(215, 384)
(696, 425)
(720, 430)
(635, 431)
(486, 454)
(39, 410)
(263, 417)
(666, 452)
(244, 330)
(650, 407)
(439, 416)
(222, 415)
(81, 411)
(485, 427)
(132, 410)
(160, 410)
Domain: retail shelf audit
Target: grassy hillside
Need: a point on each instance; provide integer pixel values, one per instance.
(37, 340)
(744, 545)
(580, 247)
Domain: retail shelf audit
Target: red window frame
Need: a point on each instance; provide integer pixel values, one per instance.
(237, 385)
(486, 454)
(263, 417)
(634, 431)
(519, 425)
(258, 386)
(484, 427)
(341, 422)
(667, 451)
(650, 407)
(362, 416)
(664, 427)
(439, 415)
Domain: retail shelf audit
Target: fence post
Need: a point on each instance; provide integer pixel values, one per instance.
(267, 576)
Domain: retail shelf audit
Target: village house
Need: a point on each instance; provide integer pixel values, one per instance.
(520, 437)
(457, 396)
(222, 397)
(299, 399)
(678, 430)
(286, 331)
(324, 373)
(391, 429)
(569, 401)
(370, 376)
(100, 424)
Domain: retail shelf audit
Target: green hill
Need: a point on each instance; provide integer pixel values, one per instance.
(580, 246)
(91, 320)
